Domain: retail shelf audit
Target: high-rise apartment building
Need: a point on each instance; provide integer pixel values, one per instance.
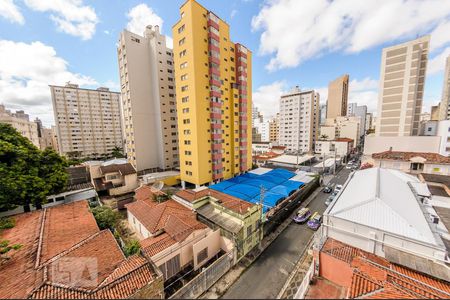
(299, 120)
(274, 128)
(148, 100)
(435, 114)
(337, 97)
(213, 81)
(444, 113)
(323, 113)
(88, 122)
(21, 122)
(45, 136)
(402, 79)
(355, 110)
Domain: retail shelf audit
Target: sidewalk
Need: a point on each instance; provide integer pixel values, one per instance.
(222, 285)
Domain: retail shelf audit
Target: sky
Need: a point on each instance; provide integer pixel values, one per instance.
(294, 42)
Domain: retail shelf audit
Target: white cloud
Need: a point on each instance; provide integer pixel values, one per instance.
(26, 70)
(364, 92)
(233, 13)
(437, 63)
(267, 98)
(140, 16)
(106, 32)
(169, 42)
(440, 35)
(70, 16)
(294, 31)
(11, 12)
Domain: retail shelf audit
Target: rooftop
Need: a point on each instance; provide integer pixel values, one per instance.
(375, 277)
(69, 234)
(169, 222)
(232, 203)
(291, 159)
(123, 169)
(384, 199)
(428, 157)
(443, 179)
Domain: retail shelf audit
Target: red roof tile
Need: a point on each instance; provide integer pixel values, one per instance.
(146, 192)
(407, 156)
(28, 272)
(232, 203)
(154, 245)
(374, 277)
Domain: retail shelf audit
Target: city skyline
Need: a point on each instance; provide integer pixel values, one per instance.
(281, 61)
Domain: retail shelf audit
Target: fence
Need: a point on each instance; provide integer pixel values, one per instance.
(301, 292)
(203, 281)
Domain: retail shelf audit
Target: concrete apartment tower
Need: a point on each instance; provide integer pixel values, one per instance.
(402, 79)
(213, 80)
(444, 106)
(299, 120)
(337, 97)
(147, 82)
(355, 110)
(88, 122)
(21, 122)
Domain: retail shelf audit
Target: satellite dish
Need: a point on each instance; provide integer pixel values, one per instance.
(158, 185)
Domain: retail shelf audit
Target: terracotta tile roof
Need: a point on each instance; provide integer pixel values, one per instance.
(232, 203)
(123, 169)
(153, 245)
(362, 284)
(343, 140)
(28, 272)
(407, 156)
(60, 232)
(146, 192)
(375, 278)
(169, 218)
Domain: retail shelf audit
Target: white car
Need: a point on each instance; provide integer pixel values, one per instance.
(338, 187)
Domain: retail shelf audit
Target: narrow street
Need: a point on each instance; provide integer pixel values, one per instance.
(267, 275)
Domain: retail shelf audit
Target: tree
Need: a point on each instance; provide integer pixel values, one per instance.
(106, 217)
(324, 137)
(117, 152)
(131, 247)
(5, 247)
(28, 175)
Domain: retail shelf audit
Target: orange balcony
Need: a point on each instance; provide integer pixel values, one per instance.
(216, 146)
(214, 36)
(213, 24)
(216, 126)
(215, 115)
(214, 60)
(215, 94)
(216, 104)
(211, 47)
(217, 166)
(217, 176)
(214, 71)
(216, 156)
(216, 136)
(215, 82)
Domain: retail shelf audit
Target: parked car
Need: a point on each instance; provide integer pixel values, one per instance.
(338, 187)
(314, 221)
(349, 166)
(329, 200)
(327, 189)
(302, 215)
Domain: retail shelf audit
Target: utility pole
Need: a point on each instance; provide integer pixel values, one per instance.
(334, 169)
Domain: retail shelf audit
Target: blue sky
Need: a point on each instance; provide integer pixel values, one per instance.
(305, 43)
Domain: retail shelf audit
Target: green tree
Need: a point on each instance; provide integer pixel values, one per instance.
(27, 174)
(5, 247)
(106, 217)
(117, 152)
(131, 247)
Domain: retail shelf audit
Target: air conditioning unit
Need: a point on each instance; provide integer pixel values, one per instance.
(434, 219)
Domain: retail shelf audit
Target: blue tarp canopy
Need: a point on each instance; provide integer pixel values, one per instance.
(248, 187)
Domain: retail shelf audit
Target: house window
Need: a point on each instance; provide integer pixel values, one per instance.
(171, 267)
(202, 255)
(249, 230)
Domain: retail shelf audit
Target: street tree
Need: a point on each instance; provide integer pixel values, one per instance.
(28, 175)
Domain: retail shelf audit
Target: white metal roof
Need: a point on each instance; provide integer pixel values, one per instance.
(328, 163)
(291, 159)
(382, 199)
(260, 171)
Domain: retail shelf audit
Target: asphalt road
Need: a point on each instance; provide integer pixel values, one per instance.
(267, 275)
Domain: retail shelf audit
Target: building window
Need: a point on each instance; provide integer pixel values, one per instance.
(181, 29)
(185, 110)
(202, 255)
(185, 99)
(183, 65)
(183, 53)
(189, 173)
(181, 42)
(184, 77)
(184, 88)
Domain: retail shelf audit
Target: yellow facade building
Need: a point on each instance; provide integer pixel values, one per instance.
(213, 91)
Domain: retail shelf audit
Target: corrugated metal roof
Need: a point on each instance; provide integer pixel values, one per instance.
(382, 198)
